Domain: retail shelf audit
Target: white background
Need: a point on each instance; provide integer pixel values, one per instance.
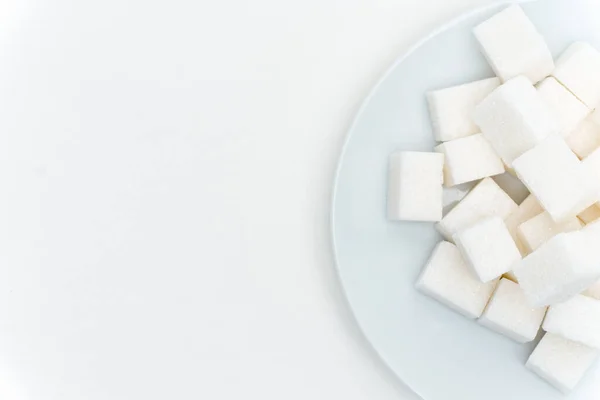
(218, 253)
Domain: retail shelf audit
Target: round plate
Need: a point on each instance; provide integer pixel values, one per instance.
(438, 353)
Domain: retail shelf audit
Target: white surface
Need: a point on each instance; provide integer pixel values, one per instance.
(230, 115)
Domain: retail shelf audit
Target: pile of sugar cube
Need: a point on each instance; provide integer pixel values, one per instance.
(516, 268)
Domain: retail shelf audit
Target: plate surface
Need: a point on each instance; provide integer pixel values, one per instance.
(438, 353)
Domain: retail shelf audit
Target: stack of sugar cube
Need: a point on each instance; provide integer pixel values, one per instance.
(516, 268)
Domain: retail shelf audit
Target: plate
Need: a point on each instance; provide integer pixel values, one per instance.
(438, 353)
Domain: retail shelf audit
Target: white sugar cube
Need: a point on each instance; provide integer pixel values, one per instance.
(561, 268)
(488, 248)
(513, 46)
(561, 362)
(578, 69)
(568, 109)
(469, 159)
(514, 118)
(447, 279)
(592, 163)
(593, 229)
(586, 137)
(486, 199)
(592, 233)
(593, 291)
(556, 177)
(577, 319)
(542, 227)
(510, 314)
(415, 186)
(451, 109)
(528, 209)
(590, 214)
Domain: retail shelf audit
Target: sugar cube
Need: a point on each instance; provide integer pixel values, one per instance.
(561, 268)
(578, 69)
(528, 209)
(592, 163)
(586, 137)
(513, 46)
(593, 230)
(556, 177)
(415, 186)
(510, 314)
(542, 227)
(451, 109)
(561, 362)
(577, 319)
(593, 291)
(514, 118)
(469, 159)
(590, 214)
(486, 199)
(488, 248)
(447, 279)
(568, 109)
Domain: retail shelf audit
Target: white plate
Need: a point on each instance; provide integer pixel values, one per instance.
(438, 353)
